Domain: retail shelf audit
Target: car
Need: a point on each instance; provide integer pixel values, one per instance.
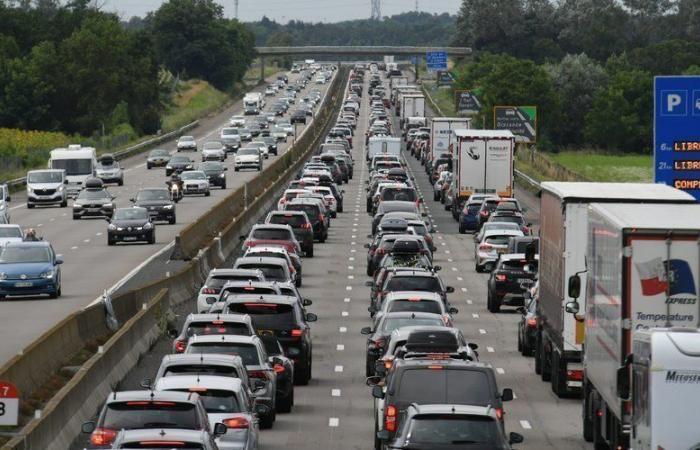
(108, 170)
(511, 277)
(215, 172)
(298, 116)
(44, 187)
(392, 206)
(512, 217)
(131, 225)
(260, 371)
(490, 226)
(186, 143)
(487, 207)
(158, 203)
(408, 279)
(278, 133)
(157, 158)
(378, 334)
(492, 244)
(286, 125)
(195, 182)
(29, 269)
(301, 226)
(279, 251)
(275, 269)
(271, 143)
(237, 121)
(269, 91)
(160, 438)
(203, 363)
(134, 410)
(245, 133)
(272, 234)
(262, 146)
(284, 368)
(250, 110)
(227, 401)
(248, 158)
(10, 233)
(178, 164)
(210, 324)
(213, 151)
(218, 278)
(93, 201)
(436, 427)
(314, 212)
(469, 216)
(528, 324)
(230, 138)
(283, 317)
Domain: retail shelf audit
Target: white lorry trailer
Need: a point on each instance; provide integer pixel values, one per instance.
(383, 145)
(643, 274)
(441, 133)
(79, 163)
(563, 229)
(412, 105)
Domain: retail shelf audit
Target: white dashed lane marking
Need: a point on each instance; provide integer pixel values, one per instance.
(335, 392)
(338, 369)
(333, 422)
(340, 347)
(525, 424)
(490, 349)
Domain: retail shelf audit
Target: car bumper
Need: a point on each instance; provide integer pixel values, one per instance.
(182, 149)
(93, 212)
(194, 190)
(234, 440)
(129, 236)
(160, 213)
(32, 286)
(483, 258)
(157, 163)
(45, 199)
(111, 178)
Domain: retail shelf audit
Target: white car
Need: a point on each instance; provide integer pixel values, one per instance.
(186, 143)
(195, 182)
(263, 148)
(286, 126)
(269, 92)
(10, 233)
(278, 133)
(320, 80)
(492, 244)
(237, 121)
(328, 197)
(218, 278)
(288, 195)
(213, 151)
(248, 158)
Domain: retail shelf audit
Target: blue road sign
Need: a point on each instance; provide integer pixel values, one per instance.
(436, 60)
(677, 132)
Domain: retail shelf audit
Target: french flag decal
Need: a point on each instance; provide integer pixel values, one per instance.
(652, 275)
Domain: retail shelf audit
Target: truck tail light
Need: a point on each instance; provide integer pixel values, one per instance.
(574, 375)
(180, 346)
(236, 423)
(102, 436)
(390, 418)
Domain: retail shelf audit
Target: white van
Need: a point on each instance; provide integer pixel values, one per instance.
(79, 163)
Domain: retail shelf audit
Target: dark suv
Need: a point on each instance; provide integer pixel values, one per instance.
(508, 282)
(301, 226)
(157, 202)
(313, 212)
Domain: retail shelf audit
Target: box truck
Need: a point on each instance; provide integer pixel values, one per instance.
(383, 145)
(441, 133)
(412, 105)
(78, 163)
(398, 91)
(563, 230)
(253, 101)
(643, 274)
(398, 81)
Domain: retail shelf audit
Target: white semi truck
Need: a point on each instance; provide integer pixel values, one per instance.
(564, 222)
(412, 105)
(383, 145)
(641, 384)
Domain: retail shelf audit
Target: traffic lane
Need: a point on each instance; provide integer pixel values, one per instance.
(83, 245)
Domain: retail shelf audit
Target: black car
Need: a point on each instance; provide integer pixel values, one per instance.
(215, 172)
(527, 327)
(512, 276)
(158, 203)
(157, 158)
(298, 116)
(271, 145)
(313, 212)
(301, 225)
(93, 201)
(131, 225)
(284, 368)
(254, 129)
(178, 164)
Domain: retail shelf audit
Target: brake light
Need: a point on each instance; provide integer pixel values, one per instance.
(390, 418)
(484, 213)
(435, 367)
(499, 413)
(102, 436)
(485, 247)
(180, 346)
(297, 332)
(206, 290)
(526, 229)
(532, 322)
(500, 277)
(150, 444)
(236, 422)
(574, 375)
(279, 368)
(257, 374)
(306, 226)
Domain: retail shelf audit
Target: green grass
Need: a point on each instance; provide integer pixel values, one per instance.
(604, 167)
(194, 100)
(253, 72)
(443, 97)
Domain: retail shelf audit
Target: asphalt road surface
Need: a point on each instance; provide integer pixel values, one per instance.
(335, 410)
(90, 265)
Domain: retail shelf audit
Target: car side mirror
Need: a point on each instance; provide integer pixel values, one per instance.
(225, 169)
(453, 310)
(146, 383)
(377, 391)
(574, 286)
(220, 429)
(87, 427)
(449, 289)
(515, 438)
(132, 200)
(258, 384)
(437, 268)
(472, 346)
(306, 302)
(507, 395)
(383, 435)
(59, 259)
(311, 317)
(366, 330)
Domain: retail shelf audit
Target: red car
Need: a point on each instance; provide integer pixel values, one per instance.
(270, 234)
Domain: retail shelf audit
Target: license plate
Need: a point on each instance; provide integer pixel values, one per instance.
(93, 209)
(129, 238)
(24, 284)
(524, 280)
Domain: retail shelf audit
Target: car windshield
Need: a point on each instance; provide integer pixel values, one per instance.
(247, 352)
(180, 159)
(45, 177)
(90, 194)
(271, 234)
(217, 401)
(152, 194)
(25, 254)
(146, 414)
(212, 146)
(202, 369)
(454, 387)
(233, 290)
(248, 151)
(266, 316)
(415, 305)
(155, 153)
(409, 283)
(217, 327)
(394, 323)
(399, 194)
(131, 214)
(108, 164)
(73, 166)
(451, 429)
(10, 232)
(229, 132)
(193, 175)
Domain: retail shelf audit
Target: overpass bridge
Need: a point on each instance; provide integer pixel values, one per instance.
(356, 50)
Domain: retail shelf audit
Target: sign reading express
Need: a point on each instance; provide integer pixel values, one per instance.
(677, 132)
(520, 120)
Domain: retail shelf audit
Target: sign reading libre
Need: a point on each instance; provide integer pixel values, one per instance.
(520, 120)
(9, 404)
(677, 132)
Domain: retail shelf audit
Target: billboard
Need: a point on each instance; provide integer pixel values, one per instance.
(467, 102)
(520, 120)
(436, 60)
(677, 132)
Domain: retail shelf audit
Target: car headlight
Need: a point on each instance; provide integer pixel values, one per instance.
(189, 166)
(60, 188)
(77, 205)
(30, 190)
(148, 226)
(3, 276)
(47, 274)
(108, 205)
(168, 166)
(222, 175)
(111, 226)
(168, 207)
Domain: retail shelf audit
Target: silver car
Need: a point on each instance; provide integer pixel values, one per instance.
(109, 171)
(160, 438)
(213, 151)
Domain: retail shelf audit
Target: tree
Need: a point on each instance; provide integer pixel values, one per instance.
(281, 39)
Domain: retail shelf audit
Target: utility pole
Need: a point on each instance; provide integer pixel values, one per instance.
(416, 5)
(376, 10)
(235, 9)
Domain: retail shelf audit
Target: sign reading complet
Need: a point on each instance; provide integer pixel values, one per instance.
(520, 120)
(467, 102)
(9, 404)
(436, 60)
(677, 132)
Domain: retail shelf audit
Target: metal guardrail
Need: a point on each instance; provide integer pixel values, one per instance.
(526, 179)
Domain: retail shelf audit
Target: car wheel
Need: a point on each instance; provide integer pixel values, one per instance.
(235, 169)
(152, 238)
(30, 206)
(369, 366)
(148, 166)
(538, 361)
(304, 376)
(462, 230)
(64, 203)
(207, 194)
(75, 217)
(285, 405)
(121, 182)
(436, 196)
(297, 282)
(172, 220)
(477, 268)
(310, 252)
(53, 295)
(545, 369)
(60, 291)
(495, 304)
(110, 241)
(223, 186)
(520, 342)
(267, 421)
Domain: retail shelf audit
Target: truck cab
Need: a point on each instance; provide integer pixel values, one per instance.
(79, 164)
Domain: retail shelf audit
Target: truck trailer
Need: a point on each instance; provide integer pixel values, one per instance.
(563, 229)
(641, 385)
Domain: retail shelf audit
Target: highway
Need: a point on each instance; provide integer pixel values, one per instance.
(90, 265)
(335, 410)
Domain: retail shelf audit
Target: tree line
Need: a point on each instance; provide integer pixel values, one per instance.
(67, 66)
(587, 64)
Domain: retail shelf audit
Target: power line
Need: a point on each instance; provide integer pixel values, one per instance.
(376, 10)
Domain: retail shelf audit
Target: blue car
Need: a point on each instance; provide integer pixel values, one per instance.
(30, 268)
(469, 217)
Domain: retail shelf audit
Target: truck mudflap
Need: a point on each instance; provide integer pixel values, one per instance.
(566, 373)
(574, 376)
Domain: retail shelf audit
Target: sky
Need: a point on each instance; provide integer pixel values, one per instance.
(306, 10)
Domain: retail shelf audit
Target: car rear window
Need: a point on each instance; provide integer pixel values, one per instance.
(272, 272)
(217, 401)
(247, 352)
(250, 290)
(428, 306)
(273, 234)
(409, 283)
(473, 209)
(217, 327)
(202, 369)
(150, 414)
(515, 264)
(310, 210)
(219, 282)
(497, 240)
(406, 195)
(448, 429)
(151, 445)
(394, 323)
(267, 316)
(450, 386)
(508, 219)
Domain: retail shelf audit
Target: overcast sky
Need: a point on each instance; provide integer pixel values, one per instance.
(306, 10)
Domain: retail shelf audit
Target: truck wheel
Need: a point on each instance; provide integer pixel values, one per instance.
(587, 414)
(558, 375)
(545, 364)
(538, 361)
(598, 441)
